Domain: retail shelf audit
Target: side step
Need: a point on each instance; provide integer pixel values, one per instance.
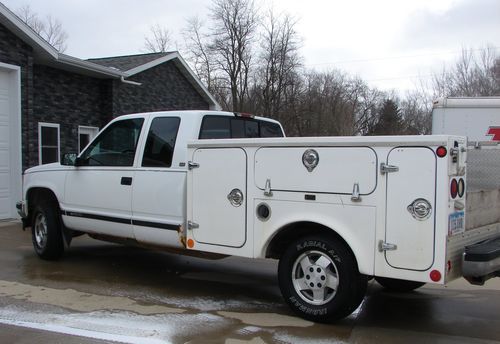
(481, 261)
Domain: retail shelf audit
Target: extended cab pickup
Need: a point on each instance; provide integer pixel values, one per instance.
(335, 211)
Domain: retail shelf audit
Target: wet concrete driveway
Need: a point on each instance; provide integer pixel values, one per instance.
(102, 293)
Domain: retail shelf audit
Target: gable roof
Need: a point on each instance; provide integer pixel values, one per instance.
(119, 67)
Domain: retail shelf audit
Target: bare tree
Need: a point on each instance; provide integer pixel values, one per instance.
(472, 75)
(199, 52)
(159, 41)
(279, 62)
(235, 22)
(49, 28)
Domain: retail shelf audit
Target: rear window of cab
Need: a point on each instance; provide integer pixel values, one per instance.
(226, 127)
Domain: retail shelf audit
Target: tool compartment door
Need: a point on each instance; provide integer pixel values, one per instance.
(338, 169)
(220, 178)
(415, 181)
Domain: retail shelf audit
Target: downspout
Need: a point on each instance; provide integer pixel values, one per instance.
(130, 82)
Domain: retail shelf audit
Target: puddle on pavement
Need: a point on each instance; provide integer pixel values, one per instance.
(78, 301)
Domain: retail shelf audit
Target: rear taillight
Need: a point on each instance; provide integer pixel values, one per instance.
(454, 188)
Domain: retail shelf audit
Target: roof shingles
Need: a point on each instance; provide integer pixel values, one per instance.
(125, 63)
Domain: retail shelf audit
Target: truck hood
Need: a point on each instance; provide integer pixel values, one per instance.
(45, 167)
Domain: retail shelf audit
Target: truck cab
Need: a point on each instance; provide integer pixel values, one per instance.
(141, 162)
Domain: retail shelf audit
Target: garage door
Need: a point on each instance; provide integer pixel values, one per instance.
(9, 134)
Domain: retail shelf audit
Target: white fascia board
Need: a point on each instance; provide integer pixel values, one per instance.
(25, 32)
(214, 105)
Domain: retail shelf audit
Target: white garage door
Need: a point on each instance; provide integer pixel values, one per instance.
(9, 134)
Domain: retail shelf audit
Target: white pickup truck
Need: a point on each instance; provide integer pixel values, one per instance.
(335, 211)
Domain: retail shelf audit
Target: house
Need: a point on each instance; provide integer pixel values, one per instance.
(51, 103)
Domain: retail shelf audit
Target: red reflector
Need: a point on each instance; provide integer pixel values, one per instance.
(435, 276)
(454, 188)
(461, 187)
(441, 151)
(449, 266)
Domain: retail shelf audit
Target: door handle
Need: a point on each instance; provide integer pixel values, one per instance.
(126, 181)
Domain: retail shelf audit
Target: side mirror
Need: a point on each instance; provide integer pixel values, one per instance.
(69, 159)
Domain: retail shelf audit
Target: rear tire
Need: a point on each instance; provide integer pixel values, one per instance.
(319, 279)
(398, 285)
(46, 231)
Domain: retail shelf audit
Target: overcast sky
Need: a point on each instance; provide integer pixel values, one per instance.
(388, 43)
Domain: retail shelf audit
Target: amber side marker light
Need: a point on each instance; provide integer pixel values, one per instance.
(190, 243)
(441, 151)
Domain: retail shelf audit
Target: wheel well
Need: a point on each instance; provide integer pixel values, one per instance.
(294, 231)
(34, 195)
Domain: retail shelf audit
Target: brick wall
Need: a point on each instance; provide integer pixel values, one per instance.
(163, 88)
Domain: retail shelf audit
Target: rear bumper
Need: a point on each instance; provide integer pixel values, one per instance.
(481, 261)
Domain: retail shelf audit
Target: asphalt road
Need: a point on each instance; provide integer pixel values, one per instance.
(105, 293)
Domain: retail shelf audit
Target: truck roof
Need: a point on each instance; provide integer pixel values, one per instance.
(197, 113)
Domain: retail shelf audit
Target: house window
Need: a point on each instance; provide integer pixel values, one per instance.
(85, 135)
(48, 143)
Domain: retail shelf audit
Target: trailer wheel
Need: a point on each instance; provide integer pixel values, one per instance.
(398, 285)
(319, 279)
(46, 231)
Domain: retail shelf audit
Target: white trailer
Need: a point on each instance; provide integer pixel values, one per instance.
(477, 118)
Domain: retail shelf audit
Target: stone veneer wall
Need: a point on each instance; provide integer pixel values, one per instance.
(163, 88)
(70, 100)
(15, 52)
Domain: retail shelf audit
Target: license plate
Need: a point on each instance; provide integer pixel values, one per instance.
(456, 223)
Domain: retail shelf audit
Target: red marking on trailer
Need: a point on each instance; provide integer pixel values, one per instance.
(495, 132)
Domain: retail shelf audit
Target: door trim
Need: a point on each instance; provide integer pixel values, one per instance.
(15, 144)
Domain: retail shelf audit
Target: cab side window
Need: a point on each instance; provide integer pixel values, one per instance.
(160, 144)
(115, 146)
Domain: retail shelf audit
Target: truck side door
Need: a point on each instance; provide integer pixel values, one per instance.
(106, 164)
(411, 208)
(218, 197)
(159, 196)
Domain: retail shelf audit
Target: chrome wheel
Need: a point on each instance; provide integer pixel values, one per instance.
(315, 277)
(40, 227)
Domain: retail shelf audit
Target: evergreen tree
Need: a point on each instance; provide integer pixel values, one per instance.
(390, 121)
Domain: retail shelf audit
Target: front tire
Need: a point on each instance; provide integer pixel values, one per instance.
(46, 232)
(319, 279)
